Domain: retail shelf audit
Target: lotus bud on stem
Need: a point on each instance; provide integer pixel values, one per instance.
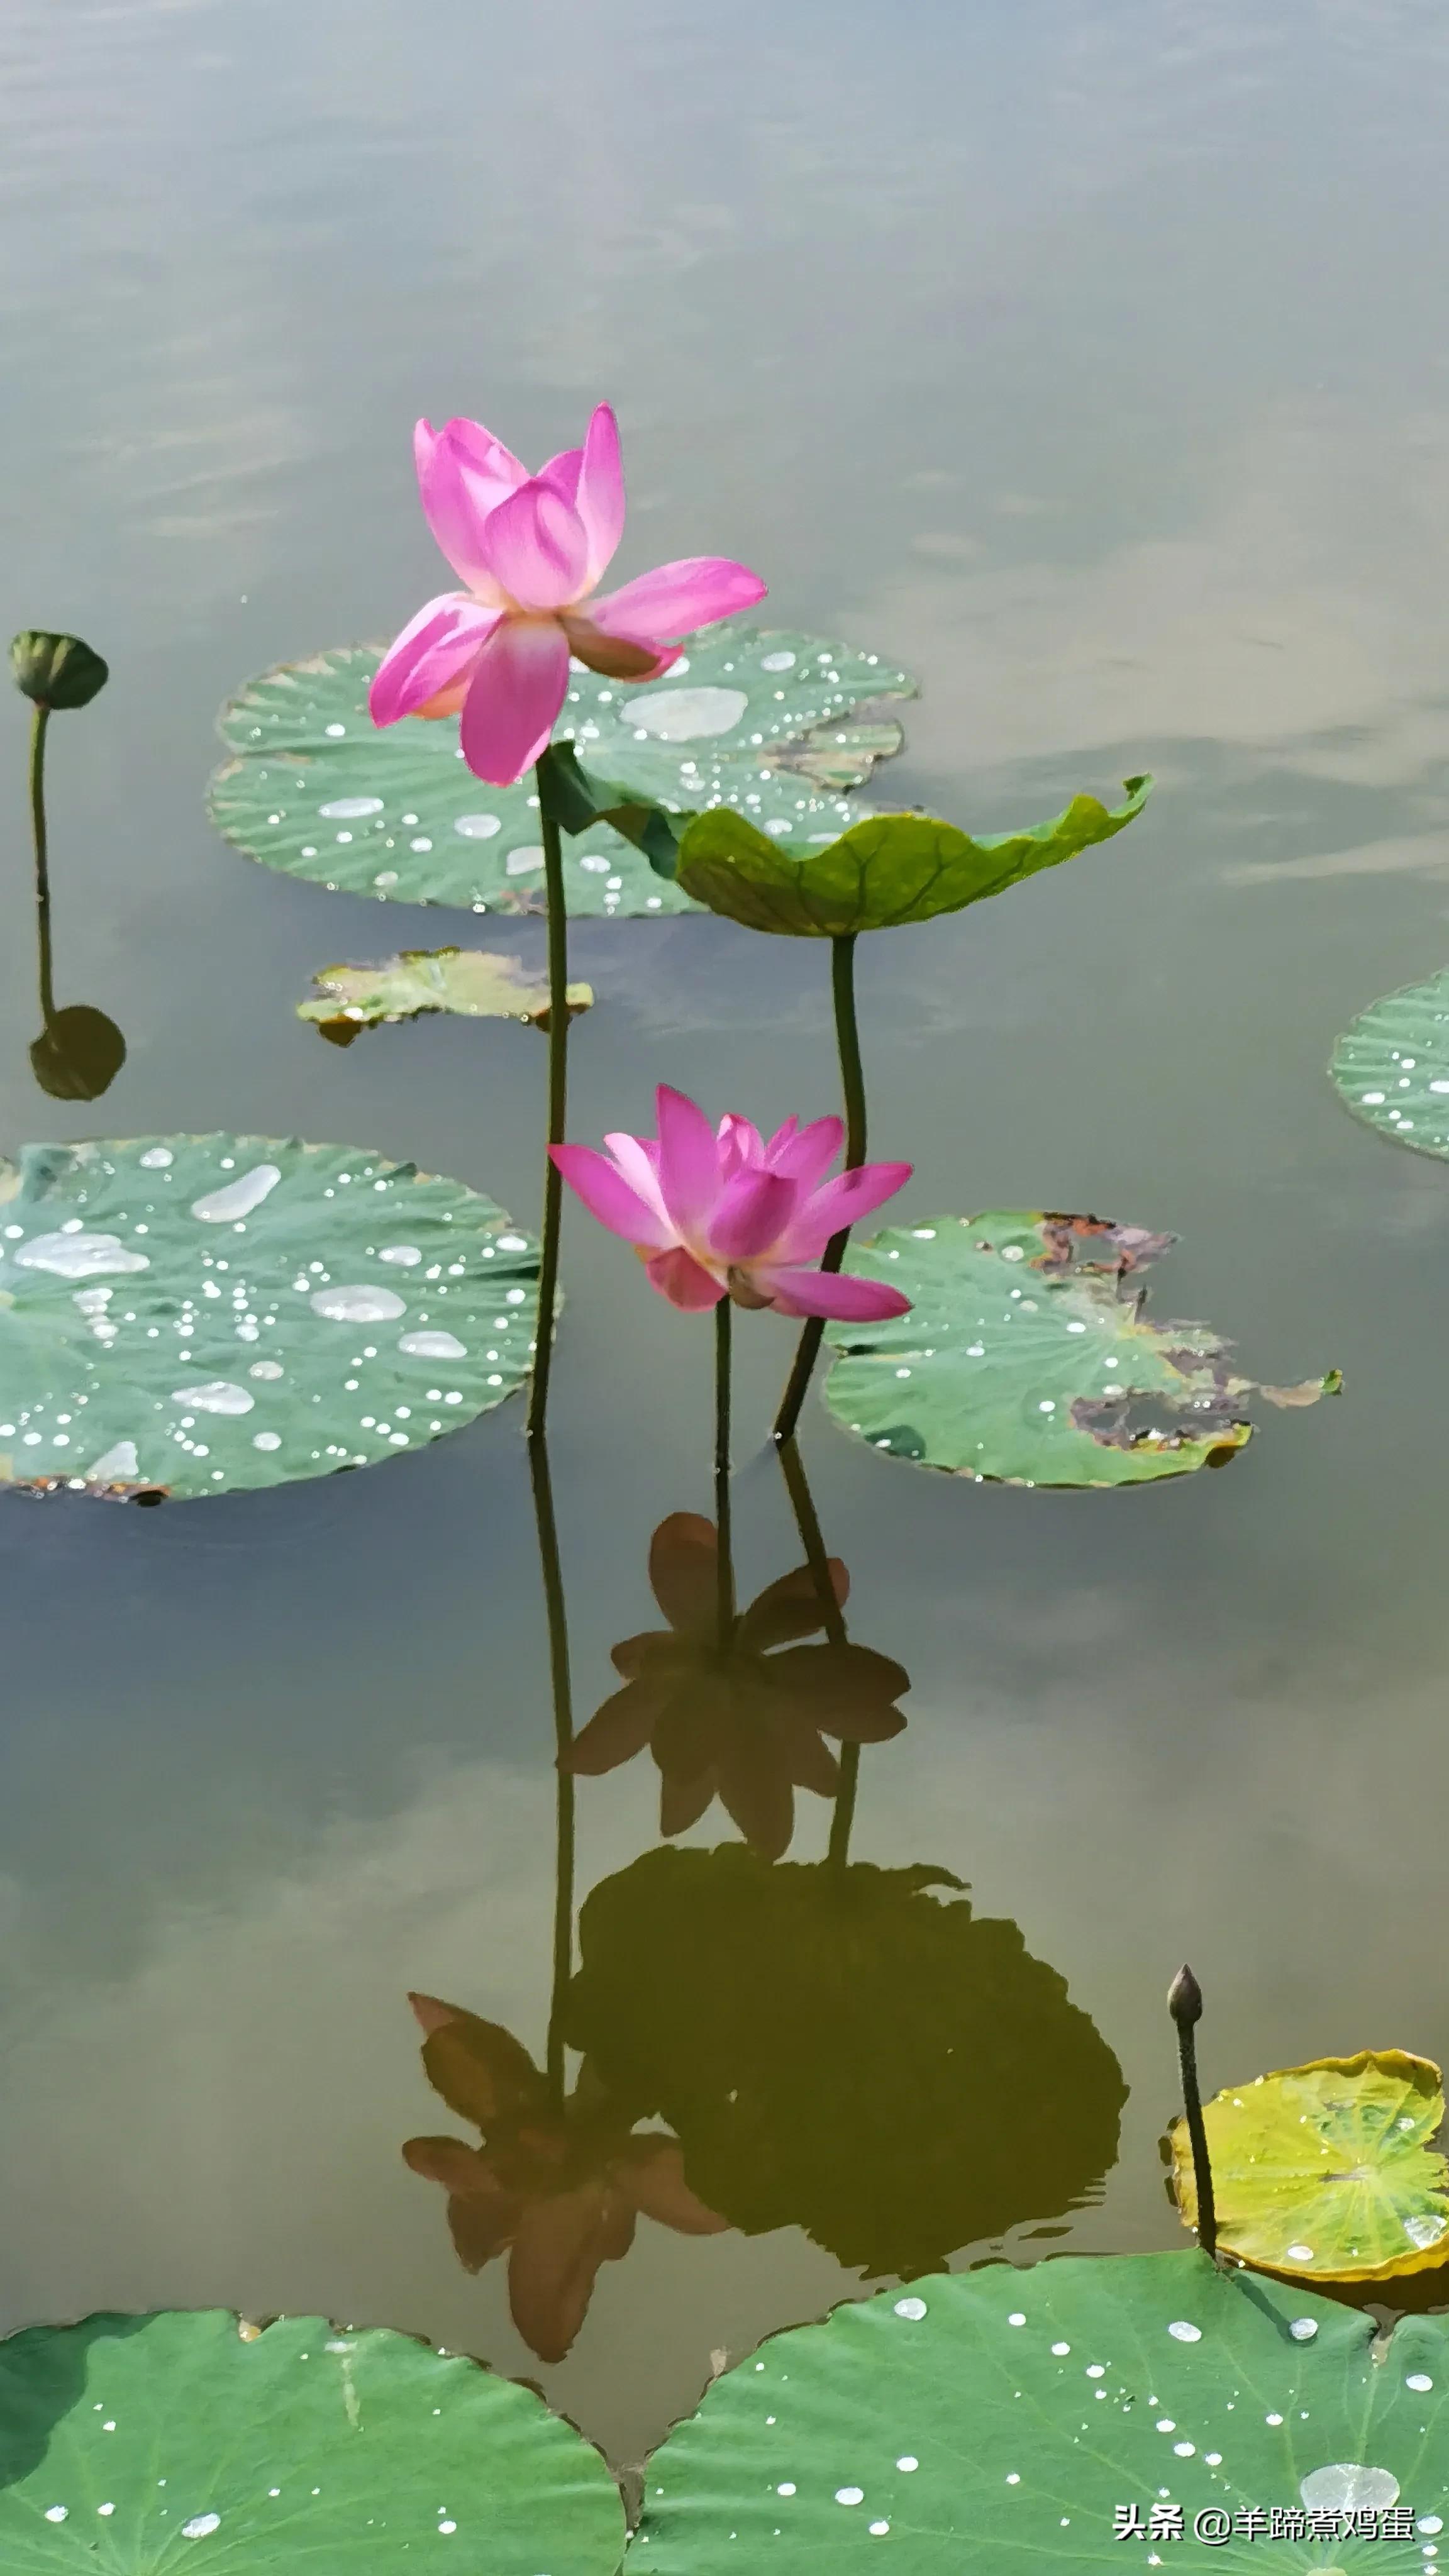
(1184, 2002)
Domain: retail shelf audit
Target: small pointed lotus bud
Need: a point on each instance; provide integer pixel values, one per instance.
(56, 670)
(1184, 1998)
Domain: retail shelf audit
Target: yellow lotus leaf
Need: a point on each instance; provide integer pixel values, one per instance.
(1326, 2172)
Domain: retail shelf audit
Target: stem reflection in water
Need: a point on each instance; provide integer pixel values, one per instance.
(561, 1686)
(802, 1503)
(79, 1052)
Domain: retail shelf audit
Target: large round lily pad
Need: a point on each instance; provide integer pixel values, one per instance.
(199, 1313)
(1019, 2420)
(130, 2446)
(888, 869)
(848, 2051)
(1026, 1357)
(1391, 1065)
(1326, 2172)
(762, 718)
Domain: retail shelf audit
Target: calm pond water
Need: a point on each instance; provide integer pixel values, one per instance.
(1090, 362)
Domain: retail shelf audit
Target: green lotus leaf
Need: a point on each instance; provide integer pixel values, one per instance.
(1391, 1065)
(467, 981)
(848, 2051)
(1005, 2419)
(133, 2444)
(889, 869)
(195, 1314)
(1326, 2171)
(747, 716)
(1026, 1358)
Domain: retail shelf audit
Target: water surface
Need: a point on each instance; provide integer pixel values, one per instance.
(1087, 361)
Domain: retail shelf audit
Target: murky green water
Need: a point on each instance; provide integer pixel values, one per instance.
(1090, 363)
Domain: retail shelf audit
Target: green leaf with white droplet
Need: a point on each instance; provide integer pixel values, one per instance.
(465, 981)
(1391, 1065)
(1327, 2171)
(886, 870)
(203, 1313)
(754, 717)
(999, 2418)
(130, 2445)
(1027, 1357)
(753, 2006)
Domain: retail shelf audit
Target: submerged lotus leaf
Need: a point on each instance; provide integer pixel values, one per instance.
(1326, 2171)
(468, 981)
(1004, 2419)
(850, 2051)
(1026, 1358)
(768, 720)
(888, 869)
(194, 1314)
(1391, 1065)
(129, 2444)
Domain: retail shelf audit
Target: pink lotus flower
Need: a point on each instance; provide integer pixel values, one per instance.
(723, 1214)
(531, 549)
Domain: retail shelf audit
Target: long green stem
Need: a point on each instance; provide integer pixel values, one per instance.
(802, 1503)
(42, 857)
(563, 1729)
(558, 1040)
(724, 1561)
(852, 1083)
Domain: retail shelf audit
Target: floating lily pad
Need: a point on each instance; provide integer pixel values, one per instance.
(1026, 1357)
(1003, 2419)
(889, 869)
(1326, 2171)
(468, 981)
(200, 1313)
(759, 717)
(1391, 1065)
(848, 2051)
(132, 2444)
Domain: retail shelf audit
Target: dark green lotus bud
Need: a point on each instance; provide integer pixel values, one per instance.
(57, 670)
(1184, 1999)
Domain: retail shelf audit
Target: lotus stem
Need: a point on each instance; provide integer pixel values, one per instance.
(852, 1083)
(802, 1503)
(1184, 2002)
(563, 1729)
(558, 1040)
(724, 1557)
(38, 724)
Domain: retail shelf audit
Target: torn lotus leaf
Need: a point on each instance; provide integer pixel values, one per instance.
(1028, 1358)
(466, 981)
